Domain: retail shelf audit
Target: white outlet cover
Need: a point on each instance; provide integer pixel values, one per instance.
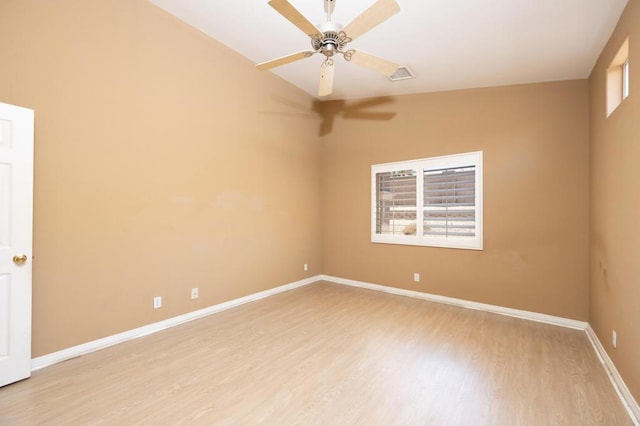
(157, 302)
(194, 293)
(614, 338)
(416, 277)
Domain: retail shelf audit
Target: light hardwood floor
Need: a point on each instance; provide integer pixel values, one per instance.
(327, 354)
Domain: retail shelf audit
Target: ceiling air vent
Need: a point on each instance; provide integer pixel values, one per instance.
(402, 73)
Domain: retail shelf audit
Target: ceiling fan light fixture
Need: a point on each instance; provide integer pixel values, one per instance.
(402, 73)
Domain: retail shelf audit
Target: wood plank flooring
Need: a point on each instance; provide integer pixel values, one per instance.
(327, 354)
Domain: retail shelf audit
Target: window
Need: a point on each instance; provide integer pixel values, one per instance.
(618, 78)
(625, 79)
(448, 191)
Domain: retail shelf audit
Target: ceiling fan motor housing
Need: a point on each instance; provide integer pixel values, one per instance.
(331, 41)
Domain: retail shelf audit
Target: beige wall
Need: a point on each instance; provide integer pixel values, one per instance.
(615, 207)
(163, 161)
(535, 144)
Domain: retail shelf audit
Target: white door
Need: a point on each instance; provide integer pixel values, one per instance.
(16, 217)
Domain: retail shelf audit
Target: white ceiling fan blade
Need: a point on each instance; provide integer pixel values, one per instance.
(296, 18)
(375, 15)
(325, 86)
(373, 62)
(263, 66)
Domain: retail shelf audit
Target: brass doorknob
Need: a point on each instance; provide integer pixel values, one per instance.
(19, 259)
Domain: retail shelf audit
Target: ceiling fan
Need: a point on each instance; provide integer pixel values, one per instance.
(332, 38)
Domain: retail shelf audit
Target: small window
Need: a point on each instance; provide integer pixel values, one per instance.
(430, 202)
(618, 78)
(625, 79)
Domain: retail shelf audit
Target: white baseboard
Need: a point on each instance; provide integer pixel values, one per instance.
(95, 345)
(85, 348)
(623, 392)
(532, 316)
(621, 388)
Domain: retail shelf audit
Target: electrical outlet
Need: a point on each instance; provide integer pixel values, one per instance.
(194, 293)
(157, 302)
(614, 339)
(305, 267)
(416, 277)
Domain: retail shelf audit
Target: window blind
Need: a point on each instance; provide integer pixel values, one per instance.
(450, 202)
(396, 202)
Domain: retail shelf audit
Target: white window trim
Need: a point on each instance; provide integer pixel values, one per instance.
(446, 161)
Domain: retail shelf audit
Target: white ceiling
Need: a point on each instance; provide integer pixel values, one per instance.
(448, 44)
